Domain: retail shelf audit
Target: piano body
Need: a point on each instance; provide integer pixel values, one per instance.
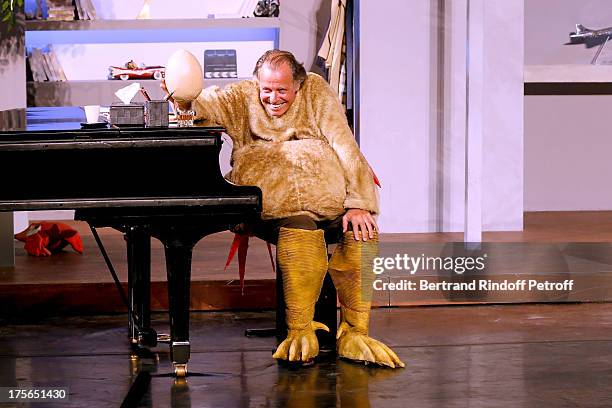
(164, 183)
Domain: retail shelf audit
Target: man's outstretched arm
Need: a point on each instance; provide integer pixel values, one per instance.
(224, 107)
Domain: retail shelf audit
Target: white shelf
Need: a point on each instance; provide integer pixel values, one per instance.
(85, 49)
(151, 24)
(97, 92)
(568, 74)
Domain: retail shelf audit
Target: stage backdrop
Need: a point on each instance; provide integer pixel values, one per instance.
(413, 110)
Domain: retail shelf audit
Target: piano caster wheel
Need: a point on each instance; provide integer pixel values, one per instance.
(179, 383)
(134, 357)
(180, 370)
(134, 365)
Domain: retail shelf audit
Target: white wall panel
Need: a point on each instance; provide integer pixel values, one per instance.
(503, 116)
(421, 165)
(395, 107)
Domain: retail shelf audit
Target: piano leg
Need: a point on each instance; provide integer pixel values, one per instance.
(138, 241)
(178, 266)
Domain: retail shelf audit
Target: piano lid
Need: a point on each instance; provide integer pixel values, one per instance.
(116, 168)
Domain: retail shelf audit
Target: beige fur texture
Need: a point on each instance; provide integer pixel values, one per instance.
(305, 162)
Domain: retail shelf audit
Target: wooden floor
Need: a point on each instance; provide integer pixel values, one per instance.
(489, 355)
(69, 281)
(544, 356)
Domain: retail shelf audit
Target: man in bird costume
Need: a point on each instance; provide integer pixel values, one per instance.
(291, 139)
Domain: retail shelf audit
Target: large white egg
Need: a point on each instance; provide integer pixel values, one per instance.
(184, 76)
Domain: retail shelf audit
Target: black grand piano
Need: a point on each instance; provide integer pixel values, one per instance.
(164, 183)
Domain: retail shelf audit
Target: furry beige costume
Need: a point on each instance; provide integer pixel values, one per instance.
(306, 162)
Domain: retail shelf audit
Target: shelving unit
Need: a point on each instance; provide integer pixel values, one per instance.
(79, 93)
(210, 23)
(566, 79)
(87, 47)
(568, 73)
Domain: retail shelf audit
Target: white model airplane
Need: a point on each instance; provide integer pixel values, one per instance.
(591, 38)
(582, 33)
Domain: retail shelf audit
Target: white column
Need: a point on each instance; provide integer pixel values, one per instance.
(455, 101)
(396, 80)
(474, 136)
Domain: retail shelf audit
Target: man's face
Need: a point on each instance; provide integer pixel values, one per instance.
(277, 89)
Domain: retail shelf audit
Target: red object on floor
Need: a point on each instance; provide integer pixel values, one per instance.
(47, 238)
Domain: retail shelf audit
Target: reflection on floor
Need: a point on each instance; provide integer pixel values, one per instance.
(484, 356)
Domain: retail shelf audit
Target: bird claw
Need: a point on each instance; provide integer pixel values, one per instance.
(357, 346)
(300, 345)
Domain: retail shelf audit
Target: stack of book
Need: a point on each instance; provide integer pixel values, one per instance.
(45, 66)
(64, 10)
(60, 10)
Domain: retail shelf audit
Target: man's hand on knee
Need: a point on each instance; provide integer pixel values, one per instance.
(361, 221)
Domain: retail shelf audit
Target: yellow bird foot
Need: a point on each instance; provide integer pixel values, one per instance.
(357, 346)
(301, 345)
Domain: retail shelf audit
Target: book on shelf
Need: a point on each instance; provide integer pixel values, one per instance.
(38, 74)
(60, 10)
(48, 68)
(88, 10)
(37, 14)
(79, 10)
(84, 10)
(64, 10)
(45, 66)
(57, 67)
(39, 65)
(61, 15)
